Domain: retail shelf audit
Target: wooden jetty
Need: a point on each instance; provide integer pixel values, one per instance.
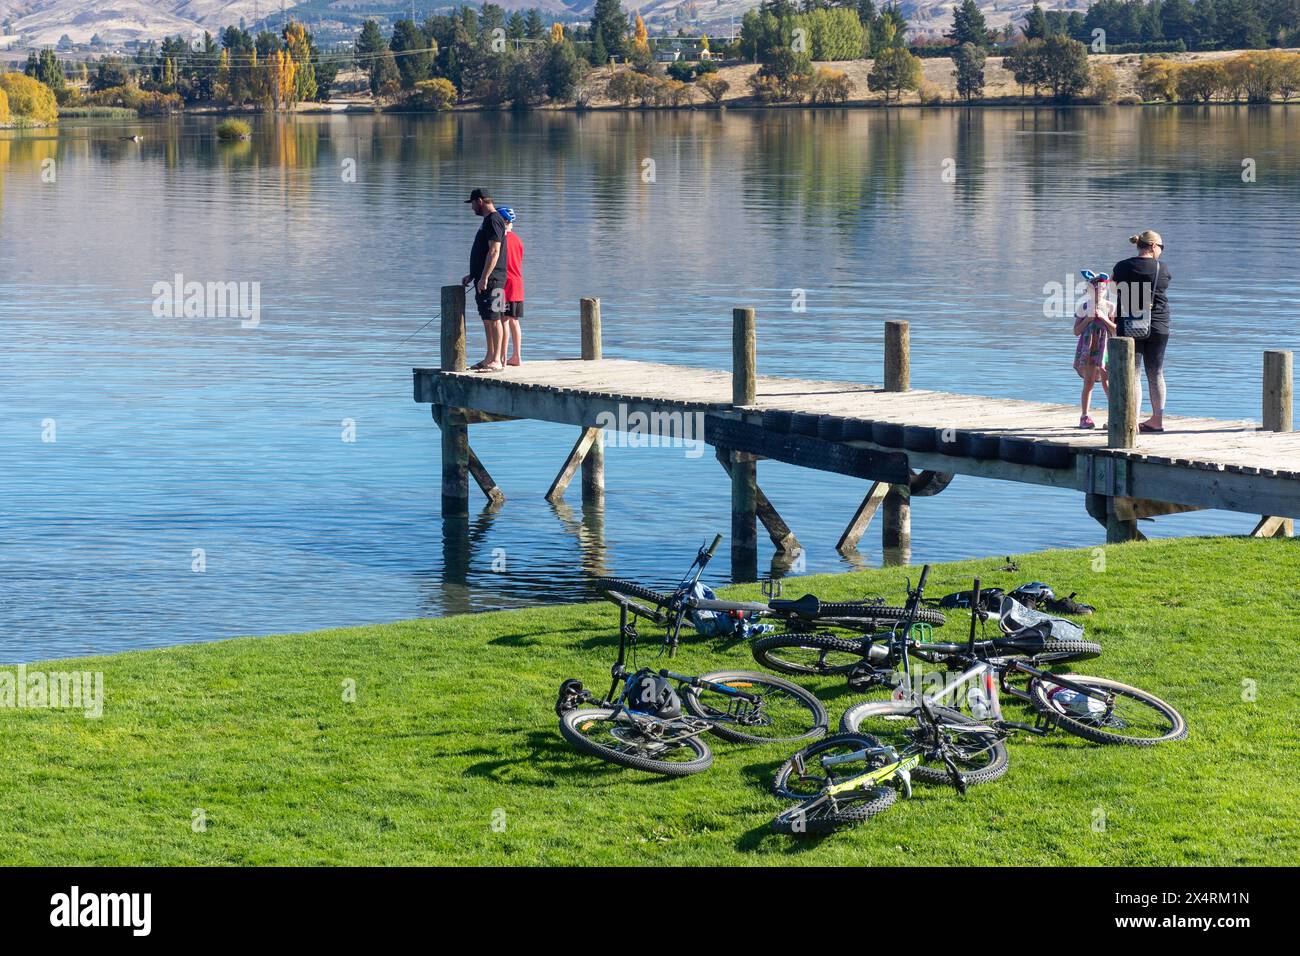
(906, 442)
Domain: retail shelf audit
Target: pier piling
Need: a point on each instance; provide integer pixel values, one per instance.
(1276, 418)
(455, 429)
(896, 509)
(593, 464)
(744, 468)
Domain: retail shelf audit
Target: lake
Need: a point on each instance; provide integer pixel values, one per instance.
(167, 480)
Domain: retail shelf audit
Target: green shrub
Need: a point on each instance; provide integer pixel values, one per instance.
(229, 130)
(681, 71)
(144, 102)
(29, 98)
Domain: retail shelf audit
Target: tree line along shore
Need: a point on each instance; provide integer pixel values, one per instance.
(849, 54)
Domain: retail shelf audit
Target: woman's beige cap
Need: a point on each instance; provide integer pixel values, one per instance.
(1148, 237)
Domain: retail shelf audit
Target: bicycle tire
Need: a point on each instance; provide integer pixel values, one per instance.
(995, 767)
(806, 817)
(820, 720)
(819, 723)
(1060, 652)
(861, 610)
(764, 650)
(669, 768)
(1041, 698)
(633, 590)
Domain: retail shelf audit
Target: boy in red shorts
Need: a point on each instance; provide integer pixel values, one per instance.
(514, 292)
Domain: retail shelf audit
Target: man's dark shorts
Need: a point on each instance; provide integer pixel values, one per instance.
(491, 303)
(1152, 350)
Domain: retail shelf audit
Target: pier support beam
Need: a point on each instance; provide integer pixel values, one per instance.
(582, 450)
(1121, 432)
(455, 430)
(896, 515)
(782, 537)
(593, 464)
(744, 468)
(862, 518)
(1277, 418)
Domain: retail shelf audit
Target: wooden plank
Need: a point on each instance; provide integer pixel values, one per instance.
(572, 463)
(733, 434)
(857, 527)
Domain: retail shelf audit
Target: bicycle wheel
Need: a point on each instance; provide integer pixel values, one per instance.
(816, 811)
(1136, 718)
(611, 735)
(1059, 652)
(785, 712)
(809, 653)
(976, 749)
(633, 590)
(864, 610)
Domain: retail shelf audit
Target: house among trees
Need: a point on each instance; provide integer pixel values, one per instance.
(684, 49)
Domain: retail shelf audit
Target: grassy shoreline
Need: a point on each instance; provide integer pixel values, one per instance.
(450, 753)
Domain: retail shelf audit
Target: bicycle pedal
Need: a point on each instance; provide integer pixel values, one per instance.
(799, 766)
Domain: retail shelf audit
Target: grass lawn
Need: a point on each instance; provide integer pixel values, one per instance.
(450, 753)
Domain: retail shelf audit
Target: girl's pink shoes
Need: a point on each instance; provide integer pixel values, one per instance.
(1086, 422)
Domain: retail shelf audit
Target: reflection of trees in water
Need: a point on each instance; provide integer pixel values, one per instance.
(971, 164)
(806, 165)
(26, 152)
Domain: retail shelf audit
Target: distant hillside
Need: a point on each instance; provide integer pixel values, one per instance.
(45, 22)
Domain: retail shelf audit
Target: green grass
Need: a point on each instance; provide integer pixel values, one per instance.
(452, 731)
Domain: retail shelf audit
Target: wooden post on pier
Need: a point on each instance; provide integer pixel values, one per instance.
(896, 513)
(744, 468)
(1277, 418)
(1121, 427)
(593, 465)
(455, 430)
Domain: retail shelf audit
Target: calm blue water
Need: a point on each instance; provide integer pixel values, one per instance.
(178, 434)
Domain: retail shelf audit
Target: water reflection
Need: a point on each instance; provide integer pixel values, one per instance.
(183, 434)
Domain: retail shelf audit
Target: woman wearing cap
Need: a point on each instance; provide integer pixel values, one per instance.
(1140, 284)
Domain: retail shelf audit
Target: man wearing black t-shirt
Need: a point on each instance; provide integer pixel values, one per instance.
(487, 270)
(1141, 282)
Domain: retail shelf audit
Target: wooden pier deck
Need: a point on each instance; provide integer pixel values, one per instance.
(907, 442)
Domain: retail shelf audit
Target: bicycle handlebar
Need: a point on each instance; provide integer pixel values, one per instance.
(717, 540)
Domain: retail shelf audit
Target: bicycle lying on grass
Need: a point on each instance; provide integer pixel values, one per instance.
(847, 778)
(812, 640)
(640, 722)
(1095, 708)
(851, 776)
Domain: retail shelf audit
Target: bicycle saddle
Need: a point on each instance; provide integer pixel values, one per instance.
(807, 606)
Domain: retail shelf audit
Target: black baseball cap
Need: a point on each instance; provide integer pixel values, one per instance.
(479, 194)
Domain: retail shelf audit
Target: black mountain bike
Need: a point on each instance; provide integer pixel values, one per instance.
(645, 723)
(847, 778)
(1094, 708)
